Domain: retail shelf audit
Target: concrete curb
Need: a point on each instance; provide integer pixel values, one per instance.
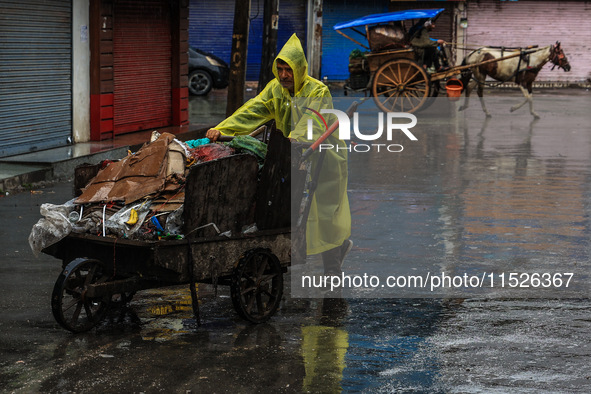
(33, 174)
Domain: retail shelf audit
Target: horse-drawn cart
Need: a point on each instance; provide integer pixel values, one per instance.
(224, 195)
(392, 71)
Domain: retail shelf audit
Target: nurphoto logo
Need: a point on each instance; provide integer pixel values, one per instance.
(392, 125)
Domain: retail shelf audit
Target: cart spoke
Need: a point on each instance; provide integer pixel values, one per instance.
(395, 97)
(75, 301)
(88, 310)
(76, 313)
(90, 275)
(396, 75)
(390, 76)
(411, 98)
(260, 306)
(385, 85)
(394, 83)
(250, 278)
(269, 294)
(400, 79)
(416, 83)
(268, 277)
(250, 303)
(413, 77)
(262, 269)
(413, 89)
(387, 92)
(406, 74)
(248, 290)
(395, 101)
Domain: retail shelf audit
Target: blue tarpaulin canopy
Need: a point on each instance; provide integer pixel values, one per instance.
(390, 17)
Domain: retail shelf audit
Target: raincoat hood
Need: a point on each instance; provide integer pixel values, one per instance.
(292, 53)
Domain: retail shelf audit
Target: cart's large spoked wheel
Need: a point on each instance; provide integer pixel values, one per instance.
(400, 85)
(71, 306)
(257, 285)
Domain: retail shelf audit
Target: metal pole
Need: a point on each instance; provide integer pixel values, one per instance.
(237, 78)
(270, 27)
(314, 37)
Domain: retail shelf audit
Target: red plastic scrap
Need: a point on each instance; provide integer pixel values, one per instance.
(209, 152)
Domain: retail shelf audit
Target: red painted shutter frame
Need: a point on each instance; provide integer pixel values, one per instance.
(142, 65)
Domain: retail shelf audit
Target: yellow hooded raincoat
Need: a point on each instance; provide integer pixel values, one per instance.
(329, 221)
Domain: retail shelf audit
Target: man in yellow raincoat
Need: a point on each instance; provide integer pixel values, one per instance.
(286, 99)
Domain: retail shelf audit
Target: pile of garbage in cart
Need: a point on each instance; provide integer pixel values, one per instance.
(139, 197)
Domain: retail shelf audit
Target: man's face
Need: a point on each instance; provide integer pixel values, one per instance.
(285, 74)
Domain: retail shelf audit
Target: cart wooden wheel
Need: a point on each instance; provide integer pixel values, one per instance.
(71, 308)
(257, 285)
(400, 85)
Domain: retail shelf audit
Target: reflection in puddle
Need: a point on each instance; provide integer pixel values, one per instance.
(324, 349)
(476, 195)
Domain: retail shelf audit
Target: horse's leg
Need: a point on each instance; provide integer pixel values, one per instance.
(527, 98)
(467, 81)
(467, 90)
(480, 92)
(531, 107)
(531, 99)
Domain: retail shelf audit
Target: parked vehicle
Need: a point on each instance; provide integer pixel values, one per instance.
(206, 71)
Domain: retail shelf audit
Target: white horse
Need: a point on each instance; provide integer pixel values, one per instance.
(522, 70)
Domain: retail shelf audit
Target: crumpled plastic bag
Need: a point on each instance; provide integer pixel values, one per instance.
(116, 224)
(192, 144)
(174, 222)
(248, 144)
(52, 227)
(90, 223)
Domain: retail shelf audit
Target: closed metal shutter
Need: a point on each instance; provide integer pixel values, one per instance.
(142, 65)
(522, 23)
(35, 75)
(211, 24)
(335, 47)
(292, 19)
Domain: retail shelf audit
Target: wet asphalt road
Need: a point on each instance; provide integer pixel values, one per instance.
(471, 196)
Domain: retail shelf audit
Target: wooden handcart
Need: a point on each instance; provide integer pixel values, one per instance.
(221, 195)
